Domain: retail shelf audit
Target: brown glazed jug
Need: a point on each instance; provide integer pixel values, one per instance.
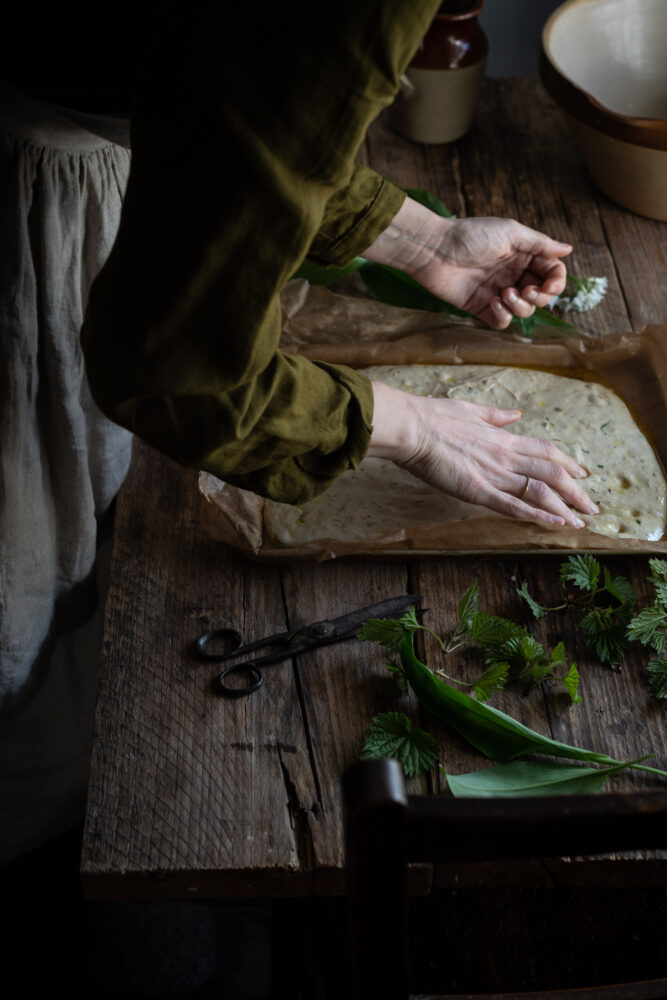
(441, 85)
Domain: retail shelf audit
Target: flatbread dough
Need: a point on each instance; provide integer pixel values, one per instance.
(585, 419)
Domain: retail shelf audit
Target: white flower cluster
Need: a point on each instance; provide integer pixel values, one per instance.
(589, 293)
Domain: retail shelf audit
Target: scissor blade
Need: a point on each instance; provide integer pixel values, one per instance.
(391, 608)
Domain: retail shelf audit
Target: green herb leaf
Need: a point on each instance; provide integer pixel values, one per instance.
(468, 607)
(491, 632)
(389, 631)
(491, 731)
(396, 288)
(493, 679)
(659, 579)
(604, 635)
(528, 777)
(658, 568)
(536, 608)
(393, 735)
(648, 627)
(571, 682)
(620, 588)
(658, 678)
(582, 570)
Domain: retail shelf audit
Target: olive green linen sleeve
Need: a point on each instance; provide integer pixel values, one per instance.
(355, 216)
(244, 135)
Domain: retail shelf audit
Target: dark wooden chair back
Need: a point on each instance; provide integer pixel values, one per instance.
(386, 829)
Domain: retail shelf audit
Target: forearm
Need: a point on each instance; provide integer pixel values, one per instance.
(412, 240)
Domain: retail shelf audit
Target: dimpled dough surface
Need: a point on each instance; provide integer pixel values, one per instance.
(585, 419)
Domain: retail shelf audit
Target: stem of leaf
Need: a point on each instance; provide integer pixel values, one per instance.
(454, 680)
(652, 770)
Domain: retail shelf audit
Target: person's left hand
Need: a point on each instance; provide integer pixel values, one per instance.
(493, 268)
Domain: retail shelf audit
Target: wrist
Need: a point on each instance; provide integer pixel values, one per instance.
(412, 240)
(394, 424)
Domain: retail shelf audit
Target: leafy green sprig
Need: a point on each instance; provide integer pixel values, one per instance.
(510, 651)
(650, 628)
(392, 734)
(494, 733)
(610, 601)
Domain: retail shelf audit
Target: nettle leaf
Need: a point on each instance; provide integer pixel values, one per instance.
(492, 680)
(648, 627)
(658, 678)
(468, 606)
(558, 655)
(492, 632)
(536, 608)
(620, 588)
(571, 682)
(658, 568)
(582, 570)
(392, 734)
(659, 579)
(605, 637)
(389, 631)
(527, 777)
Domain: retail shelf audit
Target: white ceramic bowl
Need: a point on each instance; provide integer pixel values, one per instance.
(605, 63)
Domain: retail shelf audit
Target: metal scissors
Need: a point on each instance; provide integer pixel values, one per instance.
(290, 643)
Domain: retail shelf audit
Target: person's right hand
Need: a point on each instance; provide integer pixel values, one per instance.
(463, 449)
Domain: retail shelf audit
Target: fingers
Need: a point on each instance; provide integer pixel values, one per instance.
(495, 416)
(513, 506)
(511, 305)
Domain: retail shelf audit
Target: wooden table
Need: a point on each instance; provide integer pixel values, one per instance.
(192, 795)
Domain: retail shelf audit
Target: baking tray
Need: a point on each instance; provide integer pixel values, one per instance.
(634, 365)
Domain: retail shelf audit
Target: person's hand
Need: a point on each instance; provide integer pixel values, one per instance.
(493, 268)
(462, 449)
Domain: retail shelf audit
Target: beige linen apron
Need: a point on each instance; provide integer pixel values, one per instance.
(61, 461)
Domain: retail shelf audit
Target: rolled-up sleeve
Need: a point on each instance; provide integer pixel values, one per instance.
(244, 137)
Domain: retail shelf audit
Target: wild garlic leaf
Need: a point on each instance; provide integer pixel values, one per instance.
(582, 570)
(658, 678)
(491, 731)
(605, 636)
(536, 608)
(648, 627)
(392, 734)
(528, 777)
(493, 679)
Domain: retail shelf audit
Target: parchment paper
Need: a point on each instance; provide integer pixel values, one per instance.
(359, 332)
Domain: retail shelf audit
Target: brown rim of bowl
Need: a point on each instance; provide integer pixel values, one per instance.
(649, 132)
(580, 104)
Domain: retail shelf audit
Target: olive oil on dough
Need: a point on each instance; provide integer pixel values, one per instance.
(585, 419)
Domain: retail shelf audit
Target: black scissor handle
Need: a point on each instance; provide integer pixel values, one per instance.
(250, 670)
(226, 632)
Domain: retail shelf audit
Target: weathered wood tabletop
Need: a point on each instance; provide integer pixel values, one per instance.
(194, 795)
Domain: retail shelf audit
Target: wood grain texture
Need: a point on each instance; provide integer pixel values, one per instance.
(193, 794)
